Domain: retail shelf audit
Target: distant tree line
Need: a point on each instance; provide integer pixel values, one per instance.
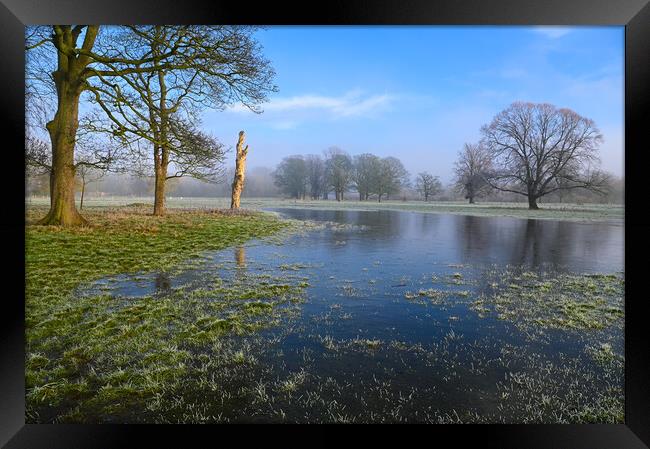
(261, 184)
(370, 176)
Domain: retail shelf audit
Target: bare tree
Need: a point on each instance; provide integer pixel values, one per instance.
(316, 176)
(470, 169)
(291, 176)
(366, 171)
(533, 146)
(69, 79)
(339, 171)
(87, 174)
(392, 177)
(427, 185)
(38, 159)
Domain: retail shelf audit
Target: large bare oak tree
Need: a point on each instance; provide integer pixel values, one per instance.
(537, 149)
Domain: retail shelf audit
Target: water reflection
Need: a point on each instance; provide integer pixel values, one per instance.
(240, 257)
(470, 239)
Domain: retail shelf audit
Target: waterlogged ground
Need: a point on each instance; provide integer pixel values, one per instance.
(611, 213)
(364, 316)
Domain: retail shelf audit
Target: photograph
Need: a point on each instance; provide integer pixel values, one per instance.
(325, 224)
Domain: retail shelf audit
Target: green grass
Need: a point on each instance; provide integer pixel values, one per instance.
(564, 301)
(90, 358)
(613, 213)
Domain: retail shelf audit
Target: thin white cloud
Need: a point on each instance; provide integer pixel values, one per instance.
(552, 32)
(352, 104)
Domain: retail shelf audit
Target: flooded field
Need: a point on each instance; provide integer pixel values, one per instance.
(390, 316)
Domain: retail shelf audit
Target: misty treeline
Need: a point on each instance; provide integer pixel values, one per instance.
(261, 184)
(129, 99)
(528, 149)
(338, 173)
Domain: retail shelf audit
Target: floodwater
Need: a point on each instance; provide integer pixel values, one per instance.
(366, 347)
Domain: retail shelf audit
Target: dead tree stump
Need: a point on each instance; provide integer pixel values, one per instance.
(240, 167)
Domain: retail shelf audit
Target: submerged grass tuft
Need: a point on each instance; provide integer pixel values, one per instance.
(563, 301)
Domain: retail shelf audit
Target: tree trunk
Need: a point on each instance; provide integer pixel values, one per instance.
(51, 189)
(379, 198)
(69, 84)
(471, 199)
(83, 189)
(532, 203)
(161, 153)
(159, 196)
(360, 196)
(240, 167)
(160, 169)
(63, 132)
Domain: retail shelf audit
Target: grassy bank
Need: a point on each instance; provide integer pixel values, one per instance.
(98, 356)
(613, 213)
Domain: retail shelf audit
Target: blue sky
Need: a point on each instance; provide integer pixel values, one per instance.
(419, 93)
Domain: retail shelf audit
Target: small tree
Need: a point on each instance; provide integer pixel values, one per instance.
(538, 149)
(471, 169)
(427, 185)
(87, 174)
(38, 162)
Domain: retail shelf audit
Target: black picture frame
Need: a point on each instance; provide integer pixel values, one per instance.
(633, 14)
